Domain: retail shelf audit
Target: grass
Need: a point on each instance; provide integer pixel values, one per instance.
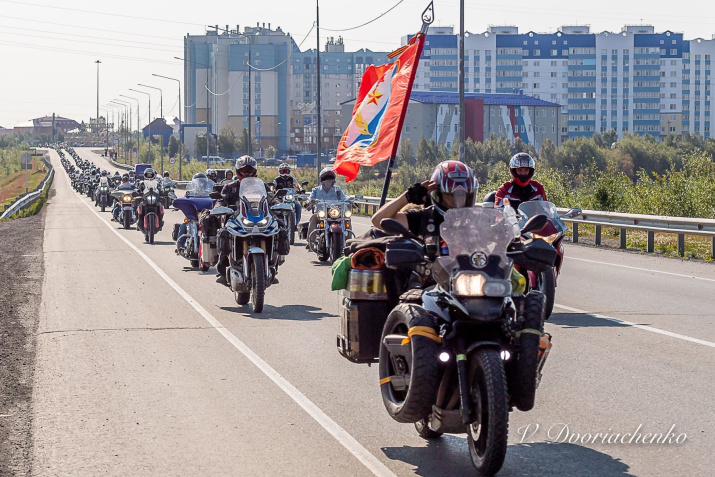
(14, 184)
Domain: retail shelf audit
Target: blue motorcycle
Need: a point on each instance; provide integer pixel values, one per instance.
(191, 244)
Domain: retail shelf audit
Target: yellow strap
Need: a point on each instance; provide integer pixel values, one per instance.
(425, 331)
(405, 341)
(385, 380)
(529, 331)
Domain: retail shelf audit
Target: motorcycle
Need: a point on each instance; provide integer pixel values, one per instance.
(151, 209)
(553, 234)
(257, 246)
(124, 208)
(166, 196)
(103, 195)
(190, 243)
(334, 228)
(464, 346)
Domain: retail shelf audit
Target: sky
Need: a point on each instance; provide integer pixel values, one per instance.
(48, 49)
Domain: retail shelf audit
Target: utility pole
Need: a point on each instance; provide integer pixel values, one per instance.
(180, 123)
(161, 115)
(97, 117)
(462, 120)
(317, 76)
(250, 118)
(148, 154)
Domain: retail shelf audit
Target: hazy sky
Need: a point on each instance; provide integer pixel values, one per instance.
(48, 48)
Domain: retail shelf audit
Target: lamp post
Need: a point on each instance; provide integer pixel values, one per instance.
(207, 100)
(180, 123)
(161, 115)
(139, 125)
(114, 110)
(317, 78)
(98, 63)
(126, 106)
(149, 119)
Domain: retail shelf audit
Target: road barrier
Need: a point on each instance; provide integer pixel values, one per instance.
(652, 224)
(25, 200)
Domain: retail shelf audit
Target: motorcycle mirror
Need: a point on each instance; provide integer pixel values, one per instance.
(534, 224)
(215, 195)
(222, 211)
(572, 213)
(304, 183)
(359, 196)
(394, 227)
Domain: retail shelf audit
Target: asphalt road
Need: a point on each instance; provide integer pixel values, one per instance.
(148, 367)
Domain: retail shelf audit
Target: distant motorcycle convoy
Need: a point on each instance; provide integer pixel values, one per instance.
(448, 298)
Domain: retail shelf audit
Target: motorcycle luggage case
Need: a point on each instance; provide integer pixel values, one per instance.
(362, 318)
(537, 256)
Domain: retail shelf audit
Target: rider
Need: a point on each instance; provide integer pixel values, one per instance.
(522, 187)
(166, 182)
(451, 186)
(125, 185)
(327, 191)
(103, 182)
(132, 177)
(286, 181)
(149, 176)
(245, 167)
(228, 176)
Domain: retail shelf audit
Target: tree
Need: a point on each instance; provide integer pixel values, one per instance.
(173, 146)
(270, 152)
(426, 152)
(242, 143)
(200, 145)
(548, 152)
(404, 152)
(227, 141)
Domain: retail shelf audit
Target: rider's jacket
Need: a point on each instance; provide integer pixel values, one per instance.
(284, 182)
(125, 186)
(334, 193)
(518, 194)
(167, 183)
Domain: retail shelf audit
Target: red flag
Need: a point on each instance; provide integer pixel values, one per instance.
(374, 131)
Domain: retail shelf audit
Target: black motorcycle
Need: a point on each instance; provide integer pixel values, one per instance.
(466, 344)
(150, 211)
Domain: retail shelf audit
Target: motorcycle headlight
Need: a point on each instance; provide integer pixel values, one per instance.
(547, 238)
(475, 284)
(263, 222)
(348, 214)
(334, 213)
(151, 199)
(321, 214)
(127, 198)
(246, 222)
(289, 197)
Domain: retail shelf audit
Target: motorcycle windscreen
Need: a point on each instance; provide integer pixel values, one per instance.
(253, 190)
(470, 230)
(543, 207)
(200, 187)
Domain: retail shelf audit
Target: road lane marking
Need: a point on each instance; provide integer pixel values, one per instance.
(642, 269)
(636, 325)
(333, 428)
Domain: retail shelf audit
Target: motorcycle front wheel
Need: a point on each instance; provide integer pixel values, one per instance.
(104, 204)
(336, 246)
(291, 228)
(258, 282)
(487, 437)
(546, 284)
(150, 231)
(127, 219)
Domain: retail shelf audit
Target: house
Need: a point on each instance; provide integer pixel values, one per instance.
(158, 127)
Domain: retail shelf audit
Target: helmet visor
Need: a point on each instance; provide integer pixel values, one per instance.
(284, 172)
(456, 199)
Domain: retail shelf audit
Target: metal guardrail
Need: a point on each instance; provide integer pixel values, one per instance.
(27, 199)
(652, 224)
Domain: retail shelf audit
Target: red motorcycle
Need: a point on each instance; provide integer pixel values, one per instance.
(553, 233)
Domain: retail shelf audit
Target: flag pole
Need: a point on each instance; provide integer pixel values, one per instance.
(427, 19)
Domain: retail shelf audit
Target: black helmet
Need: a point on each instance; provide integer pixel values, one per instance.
(199, 175)
(125, 178)
(284, 170)
(489, 200)
(327, 174)
(104, 173)
(149, 173)
(518, 161)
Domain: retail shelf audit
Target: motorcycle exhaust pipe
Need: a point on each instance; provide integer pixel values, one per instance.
(236, 279)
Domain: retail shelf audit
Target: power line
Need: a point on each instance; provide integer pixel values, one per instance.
(83, 41)
(368, 22)
(23, 29)
(85, 53)
(94, 12)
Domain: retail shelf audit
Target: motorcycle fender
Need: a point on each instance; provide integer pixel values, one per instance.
(254, 250)
(482, 344)
(336, 228)
(430, 303)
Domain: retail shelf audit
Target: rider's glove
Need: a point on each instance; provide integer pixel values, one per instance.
(417, 194)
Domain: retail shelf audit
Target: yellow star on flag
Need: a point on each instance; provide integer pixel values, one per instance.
(374, 96)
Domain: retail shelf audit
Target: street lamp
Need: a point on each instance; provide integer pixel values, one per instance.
(126, 106)
(161, 112)
(180, 123)
(98, 63)
(139, 124)
(149, 119)
(114, 109)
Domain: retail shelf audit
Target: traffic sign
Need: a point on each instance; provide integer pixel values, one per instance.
(26, 158)
(172, 160)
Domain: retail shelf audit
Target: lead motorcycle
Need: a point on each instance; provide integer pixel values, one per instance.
(124, 210)
(462, 347)
(257, 240)
(553, 233)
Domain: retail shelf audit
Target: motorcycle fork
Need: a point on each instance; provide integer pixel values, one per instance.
(465, 395)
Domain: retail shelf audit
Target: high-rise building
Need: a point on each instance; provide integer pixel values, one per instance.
(634, 80)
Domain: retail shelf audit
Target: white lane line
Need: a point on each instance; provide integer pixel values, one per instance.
(642, 269)
(340, 434)
(636, 325)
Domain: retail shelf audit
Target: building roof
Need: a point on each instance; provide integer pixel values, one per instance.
(158, 125)
(446, 97)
